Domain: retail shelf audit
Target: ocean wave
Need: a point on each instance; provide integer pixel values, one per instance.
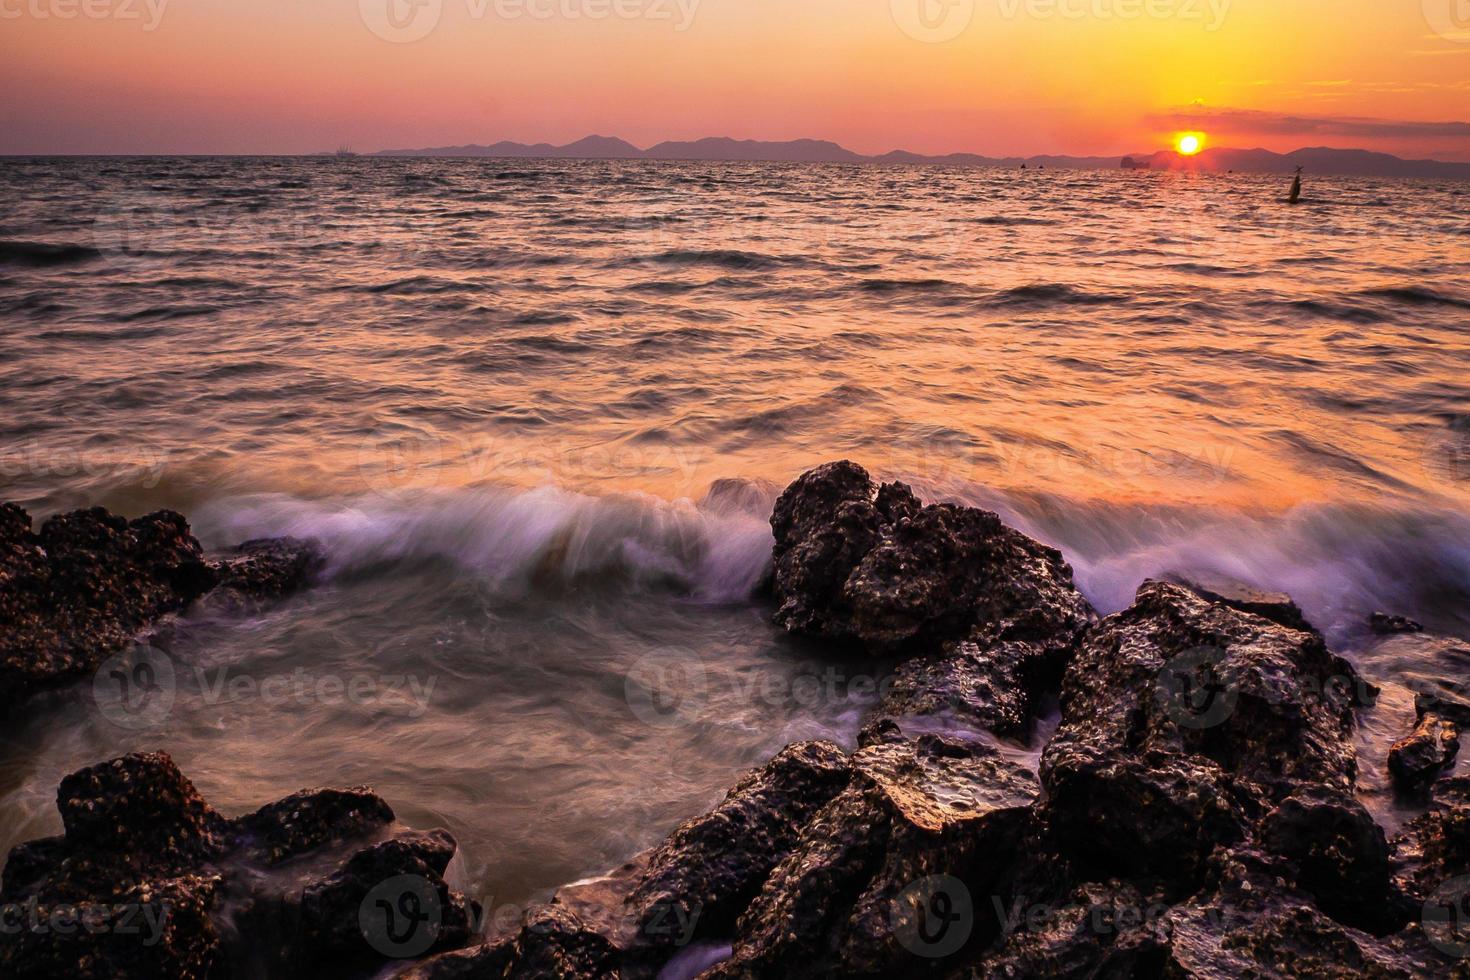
(43, 255)
(718, 550)
(1340, 562)
(1053, 294)
(1007, 221)
(719, 257)
(1418, 296)
(905, 285)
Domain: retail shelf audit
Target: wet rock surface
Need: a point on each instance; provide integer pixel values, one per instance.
(265, 570)
(859, 562)
(1252, 923)
(150, 881)
(1275, 606)
(1429, 750)
(1434, 849)
(1195, 814)
(1387, 624)
(926, 824)
(86, 583)
(1183, 722)
(712, 866)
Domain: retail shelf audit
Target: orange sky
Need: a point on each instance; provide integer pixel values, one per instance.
(989, 76)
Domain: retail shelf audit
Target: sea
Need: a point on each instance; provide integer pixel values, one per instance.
(537, 413)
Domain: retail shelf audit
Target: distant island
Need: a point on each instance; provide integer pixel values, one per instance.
(1319, 160)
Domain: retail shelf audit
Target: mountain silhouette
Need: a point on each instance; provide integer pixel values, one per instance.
(1317, 160)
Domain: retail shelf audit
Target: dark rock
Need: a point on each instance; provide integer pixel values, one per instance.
(854, 561)
(141, 843)
(330, 911)
(695, 885)
(1275, 606)
(1418, 759)
(476, 963)
(556, 943)
(1340, 856)
(136, 853)
(89, 582)
(994, 687)
(149, 930)
(879, 732)
(1252, 924)
(311, 819)
(927, 826)
(83, 587)
(1386, 625)
(1096, 930)
(1184, 721)
(709, 869)
(1435, 847)
(267, 569)
(139, 806)
(1246, 921)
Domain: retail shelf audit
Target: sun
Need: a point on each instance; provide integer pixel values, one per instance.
(1188, 144)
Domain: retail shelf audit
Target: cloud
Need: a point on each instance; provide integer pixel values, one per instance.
(1286, 124)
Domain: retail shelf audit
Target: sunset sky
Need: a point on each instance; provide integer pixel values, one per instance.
(988, 76)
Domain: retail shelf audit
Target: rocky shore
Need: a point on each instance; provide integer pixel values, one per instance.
(1195, 812)
(89, 583)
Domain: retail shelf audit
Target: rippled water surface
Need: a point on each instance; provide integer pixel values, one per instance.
(538, 411)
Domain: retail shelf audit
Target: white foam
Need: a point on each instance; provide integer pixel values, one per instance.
(517, 539)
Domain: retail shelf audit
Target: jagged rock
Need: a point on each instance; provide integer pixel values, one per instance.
(1339, 855)
(1185, 720)
(1096, 930)
(694, 885)
(994, 687)
(1419, 758)
(138, 806)
(878, 732)
(1275, 606)
(871, 564)
(155, 929)
(265, 569)
(309, 820)
(1253, 924)
(1246, 921)
(139, 840)
(1385, 624)
(83, 586)
(89, 582)
(330, 931)
(709, 869)
(927, 826)
(1435, 847)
